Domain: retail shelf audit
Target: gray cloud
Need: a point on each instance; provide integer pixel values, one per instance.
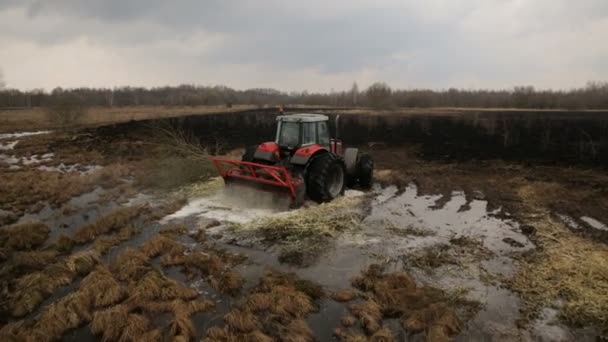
(314, 45)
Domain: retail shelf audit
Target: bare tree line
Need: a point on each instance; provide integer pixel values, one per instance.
(379, 95)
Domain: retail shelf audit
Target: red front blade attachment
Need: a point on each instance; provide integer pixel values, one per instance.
(255, 173)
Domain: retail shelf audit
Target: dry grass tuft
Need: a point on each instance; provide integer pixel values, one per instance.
(181, 326)
(160, 244)
(369, 314)
(110, 322)
(155, 286)
(258, 302)
(174, 230)
(104, 244)
(216, 268)
(24, 236)
(348, 321)
(64, 244)
(155, 335)
(241, 321)
(82, 263)
(385, 335)
(112, 222)
(102, 288)
(26, 262)
(130, 265)
(136, 325)
(345, 295)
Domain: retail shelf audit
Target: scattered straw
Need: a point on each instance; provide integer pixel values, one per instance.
(567, 268)
(114, 221)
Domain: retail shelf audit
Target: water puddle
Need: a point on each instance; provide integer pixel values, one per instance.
(24, 161)
(397, 224)
(8, 146)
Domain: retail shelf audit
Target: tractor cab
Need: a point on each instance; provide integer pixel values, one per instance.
(300, 130)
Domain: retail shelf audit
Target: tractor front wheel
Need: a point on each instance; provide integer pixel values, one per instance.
(326, 178)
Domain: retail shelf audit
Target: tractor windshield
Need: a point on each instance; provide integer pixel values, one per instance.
(289, 134)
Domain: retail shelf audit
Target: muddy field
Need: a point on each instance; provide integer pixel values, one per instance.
(125, 233)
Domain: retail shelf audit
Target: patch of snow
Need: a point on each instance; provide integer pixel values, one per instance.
(548, 328)
(13, 160)
(353, 193)
(8, 146)
(569, 221)
(63, 168)
(594, 223)
(21, 134)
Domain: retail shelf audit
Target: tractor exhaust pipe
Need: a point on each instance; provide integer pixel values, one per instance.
(337, 124)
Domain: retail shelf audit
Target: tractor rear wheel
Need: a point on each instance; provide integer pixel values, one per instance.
(249, 153)
(326, 178)
(366, 170)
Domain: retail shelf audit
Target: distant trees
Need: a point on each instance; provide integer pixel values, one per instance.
(379, 95)
(65, 108)
(2, 84)
(354, 92)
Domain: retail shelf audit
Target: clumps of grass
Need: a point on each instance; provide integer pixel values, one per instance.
(119, 324)
(27, 261)
(181, 326)
(55, 188)
(215, 268)
(409, 231)
(104, 244)
(31, 289)
(155, 286)
(68, 313)
(131, 264)
(114, 221)
(97, 290)
(568, 268)
(24, 236)
(390, 295)
(345, 295)
(161, 244)
(275, 309)
(102, 288)
(430, 258)
(174, 230)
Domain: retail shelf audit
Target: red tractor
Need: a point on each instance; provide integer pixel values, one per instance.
(302, 161)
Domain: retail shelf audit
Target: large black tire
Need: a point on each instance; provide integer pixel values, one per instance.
(326, 178)
(366, 170)
(249, 153)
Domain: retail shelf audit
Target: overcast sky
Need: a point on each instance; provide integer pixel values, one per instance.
(313, 45)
